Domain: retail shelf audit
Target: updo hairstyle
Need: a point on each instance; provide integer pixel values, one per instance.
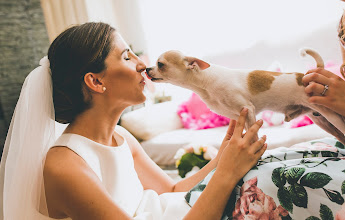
(76, 51)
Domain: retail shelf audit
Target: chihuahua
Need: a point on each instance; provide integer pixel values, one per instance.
(226, 91)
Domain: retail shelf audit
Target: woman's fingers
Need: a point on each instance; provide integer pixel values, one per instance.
(316, 77)
(261, 151)
(258, 145)
(230, 130)
(321, 71)
(253, 131)
(240, 122)
(315, 89)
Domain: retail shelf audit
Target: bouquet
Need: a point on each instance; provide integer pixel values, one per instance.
(193, 157)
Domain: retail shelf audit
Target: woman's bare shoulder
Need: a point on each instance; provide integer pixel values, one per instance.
(61, 158)
(67, 180)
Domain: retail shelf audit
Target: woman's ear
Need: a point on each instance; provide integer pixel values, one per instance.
(93, 82)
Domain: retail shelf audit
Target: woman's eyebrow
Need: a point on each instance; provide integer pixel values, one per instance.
(125, 50)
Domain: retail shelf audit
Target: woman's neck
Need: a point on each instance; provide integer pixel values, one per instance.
(97, 125)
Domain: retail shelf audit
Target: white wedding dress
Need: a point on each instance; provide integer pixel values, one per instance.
(115, 168)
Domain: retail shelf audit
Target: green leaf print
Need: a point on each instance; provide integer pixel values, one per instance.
(312, 218)
(187, 196)
(285, 199)
(315, 180)
(286, 217)
(278, 177)
(299, 195)
(339, 145)
(334, 196)
(329, 154)
(293, 174)
(315, 153)
(325, 212)
(343, 187)
(200, 187)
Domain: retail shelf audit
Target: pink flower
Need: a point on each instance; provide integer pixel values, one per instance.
(314, 147)
(254, 204)
(341, 213)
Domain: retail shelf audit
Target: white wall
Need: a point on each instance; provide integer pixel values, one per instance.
(202, 27)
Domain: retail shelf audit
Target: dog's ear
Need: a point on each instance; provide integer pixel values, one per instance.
(195, 62)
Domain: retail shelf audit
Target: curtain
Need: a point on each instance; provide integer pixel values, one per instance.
(125, 16)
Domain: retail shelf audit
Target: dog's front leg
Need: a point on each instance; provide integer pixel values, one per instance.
(251, 119)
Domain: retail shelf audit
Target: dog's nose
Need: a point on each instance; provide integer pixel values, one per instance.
(148, 70)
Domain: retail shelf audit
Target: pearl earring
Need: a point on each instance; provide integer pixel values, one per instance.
(104, 89)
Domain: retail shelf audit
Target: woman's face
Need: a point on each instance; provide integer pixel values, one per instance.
(122, 77)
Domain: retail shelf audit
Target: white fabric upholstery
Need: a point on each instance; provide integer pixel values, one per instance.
(146, 123)
(163, 147)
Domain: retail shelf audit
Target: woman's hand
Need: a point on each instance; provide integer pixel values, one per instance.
(226, 139)
(239, 152)
(334, 97)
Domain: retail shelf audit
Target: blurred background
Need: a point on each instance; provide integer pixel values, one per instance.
(238, 34)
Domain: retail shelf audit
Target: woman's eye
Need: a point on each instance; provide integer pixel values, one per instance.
(160, 65)
(127, 57)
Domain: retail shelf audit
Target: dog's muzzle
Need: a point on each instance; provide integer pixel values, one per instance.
(150, 77)
(148, 73)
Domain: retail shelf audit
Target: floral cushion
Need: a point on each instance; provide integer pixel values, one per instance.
(307, 181)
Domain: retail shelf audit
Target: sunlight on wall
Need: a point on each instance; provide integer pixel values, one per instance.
(201, 27)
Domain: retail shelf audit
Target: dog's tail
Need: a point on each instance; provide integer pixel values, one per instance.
(314, 54)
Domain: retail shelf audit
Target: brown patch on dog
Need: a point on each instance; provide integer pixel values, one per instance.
(260, 80)
(299, 77)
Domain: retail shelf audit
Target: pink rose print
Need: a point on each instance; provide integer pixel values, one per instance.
(314, 147)
(254, 204)
(325, 147)
(341, 213)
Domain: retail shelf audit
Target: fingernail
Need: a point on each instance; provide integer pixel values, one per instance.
(261, 121)
(244, 109)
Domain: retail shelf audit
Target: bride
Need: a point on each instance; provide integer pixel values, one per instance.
(96, 169)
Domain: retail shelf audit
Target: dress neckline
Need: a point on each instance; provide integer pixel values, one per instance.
(120, 140)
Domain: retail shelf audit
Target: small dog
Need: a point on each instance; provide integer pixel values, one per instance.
(226, 91)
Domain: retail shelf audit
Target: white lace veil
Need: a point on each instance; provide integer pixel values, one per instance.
(31, 133)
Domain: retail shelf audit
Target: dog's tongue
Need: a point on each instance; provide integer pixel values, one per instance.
(148, 76)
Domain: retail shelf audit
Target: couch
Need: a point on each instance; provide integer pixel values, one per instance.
(161, 133)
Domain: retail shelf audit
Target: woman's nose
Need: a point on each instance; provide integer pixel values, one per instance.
(141, 65)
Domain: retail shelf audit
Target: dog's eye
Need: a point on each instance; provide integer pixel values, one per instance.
(160, 65)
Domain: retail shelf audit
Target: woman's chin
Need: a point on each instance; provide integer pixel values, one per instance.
(141, 99)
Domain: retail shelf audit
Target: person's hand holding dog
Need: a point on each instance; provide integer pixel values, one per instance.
(239, 152)
(325, 88)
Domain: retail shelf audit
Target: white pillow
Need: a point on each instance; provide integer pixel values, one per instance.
(145, 123)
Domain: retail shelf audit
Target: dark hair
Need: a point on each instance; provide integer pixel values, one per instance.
(75, 52)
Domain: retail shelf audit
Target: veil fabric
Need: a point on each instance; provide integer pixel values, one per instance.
(31, 133)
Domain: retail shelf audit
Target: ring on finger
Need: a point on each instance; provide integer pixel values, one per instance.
(325, 90)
